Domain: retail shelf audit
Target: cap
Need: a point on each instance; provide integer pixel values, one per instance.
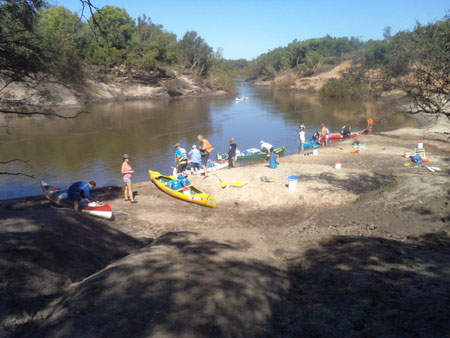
(194, 146)
(261, 142)
(125, 156)
(302, 126)
(176, 145)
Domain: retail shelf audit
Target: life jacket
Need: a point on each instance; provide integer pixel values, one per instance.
(370, 121)
(183, 156)
(207, 146)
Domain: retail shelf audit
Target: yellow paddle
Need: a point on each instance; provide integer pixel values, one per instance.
(222, 183)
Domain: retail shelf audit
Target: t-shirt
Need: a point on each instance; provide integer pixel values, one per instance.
(370, 121)
(181, 153)
(301, 136)
(195, 156)
(266, 147)
(81, 188)
(232, 150)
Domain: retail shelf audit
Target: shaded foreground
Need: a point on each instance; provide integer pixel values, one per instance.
(363, 251)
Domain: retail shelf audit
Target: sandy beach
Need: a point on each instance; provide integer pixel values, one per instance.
(363, 250)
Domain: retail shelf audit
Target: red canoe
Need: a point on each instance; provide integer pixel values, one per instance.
(60, 198)
(338, 136)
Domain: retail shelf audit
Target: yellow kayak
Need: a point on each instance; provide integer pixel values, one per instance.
(188, 193)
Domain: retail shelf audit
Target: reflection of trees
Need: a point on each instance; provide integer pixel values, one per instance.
(147, 129)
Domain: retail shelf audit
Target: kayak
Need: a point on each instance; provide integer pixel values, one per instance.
(187, 193)
(310, 144)
(339, 136)
(60, 197)
(250, 154)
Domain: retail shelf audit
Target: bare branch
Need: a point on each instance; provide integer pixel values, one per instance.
(15, 174)
(44, 113)
(15, 160)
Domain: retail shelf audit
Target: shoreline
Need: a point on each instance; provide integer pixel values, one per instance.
(344, 235)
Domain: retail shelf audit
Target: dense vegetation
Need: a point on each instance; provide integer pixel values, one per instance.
(55, 41)
(416, 62)
(306, 57)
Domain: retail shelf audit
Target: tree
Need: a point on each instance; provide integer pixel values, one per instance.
(195, 52)
(418, 63)
(63, 40)
(112, 29)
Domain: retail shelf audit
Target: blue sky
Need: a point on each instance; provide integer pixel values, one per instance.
(247, 28)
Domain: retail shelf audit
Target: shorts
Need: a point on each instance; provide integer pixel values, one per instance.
(205, 159)
(127, 180)
(193, 165)
(74, 195)
(181, 167)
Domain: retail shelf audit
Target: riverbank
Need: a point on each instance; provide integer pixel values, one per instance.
(363, 249)
(117, 86)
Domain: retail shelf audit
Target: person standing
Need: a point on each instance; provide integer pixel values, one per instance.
(195, 160)
(205, 149)
(232, 153)
(370, 124)
(324, 135)
(180, 158)
(79, 191)
(127, 172)
(301, 139)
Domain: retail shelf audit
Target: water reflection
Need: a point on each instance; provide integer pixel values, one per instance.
(90, 147)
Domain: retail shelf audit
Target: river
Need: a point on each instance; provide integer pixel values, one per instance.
(91, 146)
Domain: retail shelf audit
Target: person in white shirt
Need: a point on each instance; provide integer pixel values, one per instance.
(266, 147)
(301, 139)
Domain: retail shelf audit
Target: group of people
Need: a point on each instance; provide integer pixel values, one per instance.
(322, 136)
(198, 156)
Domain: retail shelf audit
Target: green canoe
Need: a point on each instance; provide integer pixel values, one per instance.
(250, 154)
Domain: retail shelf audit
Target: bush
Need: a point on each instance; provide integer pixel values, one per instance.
(343, 88)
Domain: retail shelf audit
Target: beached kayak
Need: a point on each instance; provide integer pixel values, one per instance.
(250, 154)
(339, 136)
(310, 144)
(187, 193)
(60, 197)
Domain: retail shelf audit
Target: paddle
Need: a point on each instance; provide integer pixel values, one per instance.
(222, 183)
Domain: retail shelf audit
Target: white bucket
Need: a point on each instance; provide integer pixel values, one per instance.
(292, 185)
(315, 152)
(338, 165)
(419, 144)
(407, 153)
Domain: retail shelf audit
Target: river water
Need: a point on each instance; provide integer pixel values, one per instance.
(91, 146)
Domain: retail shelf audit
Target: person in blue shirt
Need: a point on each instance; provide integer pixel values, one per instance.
(79, 191)
(180, 158)
(195, 159)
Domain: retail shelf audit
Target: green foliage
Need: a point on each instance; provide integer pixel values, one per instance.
(20, 45)
(342, 88)
(112, 29)
(221, 80)
(306, 56)
(63, 39)
(195, 53)
(151, 46)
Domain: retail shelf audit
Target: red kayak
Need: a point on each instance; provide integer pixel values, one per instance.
(339, 136)
(60, 198)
